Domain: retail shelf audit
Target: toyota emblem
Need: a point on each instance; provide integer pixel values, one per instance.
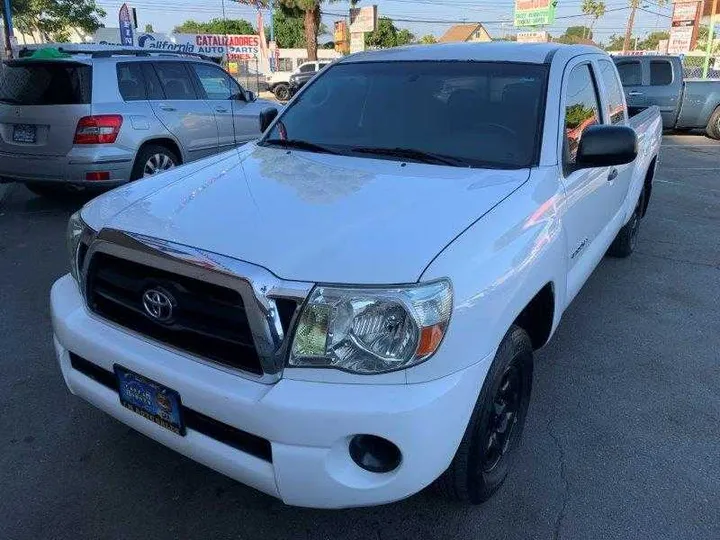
(158, 304)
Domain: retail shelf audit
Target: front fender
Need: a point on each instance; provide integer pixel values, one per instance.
(497, 266)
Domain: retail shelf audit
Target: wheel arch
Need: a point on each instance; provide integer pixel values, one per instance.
(167, 142)
(538, 316)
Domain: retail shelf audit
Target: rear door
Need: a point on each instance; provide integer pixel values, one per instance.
(183, 112)
(40, 105)
(665, 91)
(631, 76)
(219, 91)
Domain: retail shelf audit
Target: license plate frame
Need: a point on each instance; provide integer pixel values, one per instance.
(25, 133)
(151, 400)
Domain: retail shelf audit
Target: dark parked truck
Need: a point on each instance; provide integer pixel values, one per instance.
(684, 103)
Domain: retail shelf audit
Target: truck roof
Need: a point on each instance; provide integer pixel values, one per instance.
(534, 53)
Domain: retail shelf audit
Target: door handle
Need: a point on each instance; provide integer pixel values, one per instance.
(635, 93)
(168, 108)
(613, 175)
(221, 109)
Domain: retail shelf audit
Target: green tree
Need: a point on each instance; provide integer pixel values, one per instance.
(428, 39)
(289, 29)
(149, 29)
(54, 19)
(388, 35)
(652, 40)
(216, 26)
(593, 9)
(615, 43)
(310, 10)
(575, 34)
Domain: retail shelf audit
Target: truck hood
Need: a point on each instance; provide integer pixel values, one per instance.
(310, 217)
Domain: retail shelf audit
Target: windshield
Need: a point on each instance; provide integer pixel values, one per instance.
(45, 83)
(469, 114)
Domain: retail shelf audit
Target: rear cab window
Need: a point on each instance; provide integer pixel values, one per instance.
(630, 73)
(582, 109)
(661, 73)
(29, 82)
(613, 92)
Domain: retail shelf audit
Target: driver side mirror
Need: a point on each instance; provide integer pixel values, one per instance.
(266, 118)
(250, 96)
(603, 146)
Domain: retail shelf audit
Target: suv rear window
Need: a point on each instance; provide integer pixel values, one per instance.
(45, 83)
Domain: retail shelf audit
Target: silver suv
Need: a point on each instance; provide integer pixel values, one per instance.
(104, 118)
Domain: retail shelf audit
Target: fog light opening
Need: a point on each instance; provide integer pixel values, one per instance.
(374, 454)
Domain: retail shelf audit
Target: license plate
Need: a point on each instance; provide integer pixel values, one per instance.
(151, 400)
(24, 133)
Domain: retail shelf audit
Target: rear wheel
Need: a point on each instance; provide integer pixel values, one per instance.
(626, 240)
(713, 127)
(153, 159)
(485, 454)
(282, 91)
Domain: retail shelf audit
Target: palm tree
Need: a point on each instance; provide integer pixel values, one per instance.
(312, 16)
(594, 9)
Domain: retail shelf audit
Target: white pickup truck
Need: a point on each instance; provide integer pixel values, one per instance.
(346, 311)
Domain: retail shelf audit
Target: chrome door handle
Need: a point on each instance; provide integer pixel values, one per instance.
(221, 109)
(167, 108)
(635, 93)
(613, 175)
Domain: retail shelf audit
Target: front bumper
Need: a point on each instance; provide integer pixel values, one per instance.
(70, 169)
(308, 424)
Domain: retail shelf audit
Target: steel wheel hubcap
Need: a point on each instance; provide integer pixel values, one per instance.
(157, 163)
(503, 418)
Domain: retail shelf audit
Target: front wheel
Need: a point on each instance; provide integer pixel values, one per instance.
(485, 454)
(713, 127)
(282, 91)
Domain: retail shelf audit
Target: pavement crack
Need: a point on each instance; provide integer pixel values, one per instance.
(566, 486)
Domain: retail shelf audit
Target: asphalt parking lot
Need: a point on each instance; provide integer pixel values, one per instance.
(622, 437)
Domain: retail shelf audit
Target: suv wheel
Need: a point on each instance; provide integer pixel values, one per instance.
(282, 91)
(153, 159)
(485, 454)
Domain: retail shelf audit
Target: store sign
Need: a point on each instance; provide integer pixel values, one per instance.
(363, 19)
(357, 42)
(532, 37)
(534, 12)
(234, 47)
(126, 26)
(684, 27)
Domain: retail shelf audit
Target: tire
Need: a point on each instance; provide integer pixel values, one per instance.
(153, 155)
(713, 127)
(480, 467)
(626, 240)
(282, 91)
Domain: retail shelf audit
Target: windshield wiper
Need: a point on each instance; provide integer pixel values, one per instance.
(413, 155)
(301, 145)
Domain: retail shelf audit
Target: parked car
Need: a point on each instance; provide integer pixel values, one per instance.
(684, 103)
(281, 83)
(348, 309)
(104, 118)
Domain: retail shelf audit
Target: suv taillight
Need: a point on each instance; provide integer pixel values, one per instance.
(101, 129)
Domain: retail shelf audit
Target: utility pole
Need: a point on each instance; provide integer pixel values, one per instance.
(709, 46)
(8, 27)
(629, 28)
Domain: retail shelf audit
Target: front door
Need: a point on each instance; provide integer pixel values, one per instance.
(183, 113)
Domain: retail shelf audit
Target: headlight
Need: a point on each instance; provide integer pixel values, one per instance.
(371, 330)
(76, 229)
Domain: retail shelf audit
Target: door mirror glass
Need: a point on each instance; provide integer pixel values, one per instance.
(603, 146)
(266, 118)
(250, 96)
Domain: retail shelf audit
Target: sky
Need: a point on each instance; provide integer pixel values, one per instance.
(496, 15)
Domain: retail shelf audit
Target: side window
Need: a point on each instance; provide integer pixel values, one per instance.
(630, 73)
(616, 103)
(323, 65)
(581, 108)
(660, 73)
(152, 83)
(131, 81)
(217, 84)
(175, 80)
(307, 68)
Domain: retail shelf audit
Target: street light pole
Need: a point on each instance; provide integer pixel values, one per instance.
(709, 46)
